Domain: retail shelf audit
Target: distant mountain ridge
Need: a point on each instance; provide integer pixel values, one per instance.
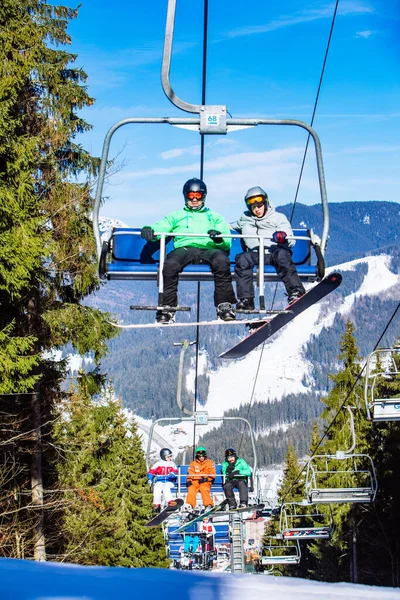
(356, 228)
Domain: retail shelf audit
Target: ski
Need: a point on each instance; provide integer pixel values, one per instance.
(262, 333)
(164, 514)
(215, 509)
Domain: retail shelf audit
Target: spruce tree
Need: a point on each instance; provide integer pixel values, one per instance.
(46, 255)
(335, 559)
(107, 496)
(379, 528)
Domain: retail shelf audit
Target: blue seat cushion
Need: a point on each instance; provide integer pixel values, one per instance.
(133, 257)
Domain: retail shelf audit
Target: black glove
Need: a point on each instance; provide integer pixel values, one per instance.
(215, 235)
(147, 234)
(203, 480)
(230, 476)
(189, 482)
(236, 473)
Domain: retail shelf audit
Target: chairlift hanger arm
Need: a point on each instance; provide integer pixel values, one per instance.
(166, 63)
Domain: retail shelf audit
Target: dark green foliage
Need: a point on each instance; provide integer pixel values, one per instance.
(107, 496)
(46, 257)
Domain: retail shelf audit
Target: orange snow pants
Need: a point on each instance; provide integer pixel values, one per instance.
(203, 488)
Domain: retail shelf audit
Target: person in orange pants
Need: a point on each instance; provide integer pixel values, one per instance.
(201, 474)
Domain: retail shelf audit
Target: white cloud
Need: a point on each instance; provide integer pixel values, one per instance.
(364, 34)
(305, 16)
(175, 152)
(241, 160)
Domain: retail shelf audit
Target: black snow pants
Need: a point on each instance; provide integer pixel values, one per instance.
(241, 485)
(220, 267)
(280, 258)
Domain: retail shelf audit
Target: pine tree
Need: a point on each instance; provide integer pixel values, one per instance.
(108, 497)
(379, 528)
(292, 486)
(46, 255)
(336, 559)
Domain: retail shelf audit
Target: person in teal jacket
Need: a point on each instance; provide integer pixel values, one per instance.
(212, 249)
(237, 473)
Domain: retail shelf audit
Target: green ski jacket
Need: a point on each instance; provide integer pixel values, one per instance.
(190, 221)
(239, 465)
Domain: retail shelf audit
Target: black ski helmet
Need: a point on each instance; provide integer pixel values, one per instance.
(164, 452)
(252, 193)
(201, 451)
(230, 452)
(195, 185)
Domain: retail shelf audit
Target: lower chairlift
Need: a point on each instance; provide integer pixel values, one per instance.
(280, 552)
(305, 521)
(356, 470)
(382, 375)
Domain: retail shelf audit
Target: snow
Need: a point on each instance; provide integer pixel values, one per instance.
(281, 367)
(367, 220)
(29, 580)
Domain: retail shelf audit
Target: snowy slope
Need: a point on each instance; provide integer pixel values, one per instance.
(29, 580)
(284, 368)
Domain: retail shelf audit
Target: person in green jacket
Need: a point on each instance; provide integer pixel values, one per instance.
(236, 472)
(212, 249)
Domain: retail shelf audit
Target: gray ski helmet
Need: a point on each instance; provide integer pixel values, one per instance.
(253, 192)
(195, 185)
(164, 452)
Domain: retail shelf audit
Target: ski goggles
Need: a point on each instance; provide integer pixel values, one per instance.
(256, 200)
(195, 195)
(201, 453)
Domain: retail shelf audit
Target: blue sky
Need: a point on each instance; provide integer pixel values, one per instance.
(264, 60)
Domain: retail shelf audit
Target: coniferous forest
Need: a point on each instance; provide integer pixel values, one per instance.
(73, 484)
(60, 477)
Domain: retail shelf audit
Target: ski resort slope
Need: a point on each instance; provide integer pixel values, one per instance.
(284, 368)
(27, 580)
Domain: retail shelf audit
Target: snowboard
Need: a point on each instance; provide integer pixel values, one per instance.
(164, 514)
(322, 533)
(215, 509)
(250, 508)
(262, 333)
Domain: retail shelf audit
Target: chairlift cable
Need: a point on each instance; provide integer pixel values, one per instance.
(343, 403)
(298, 187)
(202, 148)
(315, 106)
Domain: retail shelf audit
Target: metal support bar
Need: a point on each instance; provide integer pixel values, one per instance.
(187, 419)
(196, 122)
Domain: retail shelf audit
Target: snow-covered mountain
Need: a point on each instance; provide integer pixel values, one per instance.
(284, 367)
(106, 225)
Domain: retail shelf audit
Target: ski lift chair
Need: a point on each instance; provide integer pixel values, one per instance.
(305, 521)
(200, 418)
(378, 408)
(359, 469)
(132, 259)
(126, 255)
(280, 552)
